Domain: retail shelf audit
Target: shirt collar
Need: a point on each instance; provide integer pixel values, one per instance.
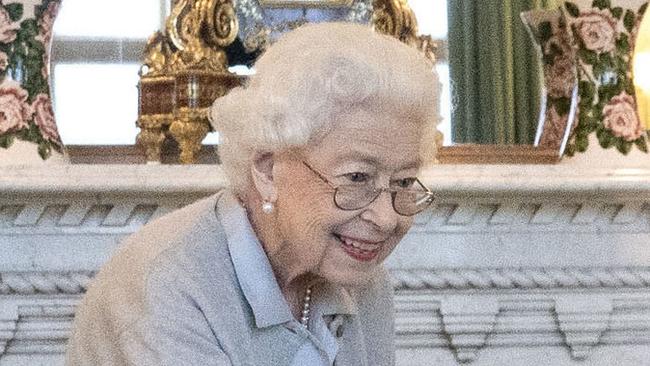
(255, 274)
(252, 267)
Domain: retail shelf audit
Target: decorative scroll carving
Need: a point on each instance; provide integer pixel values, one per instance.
(71, 204)
(31, 283)
(196, 54)
(175, 27)
(469, 216)
(462, 279)
(395, 18)
(91, 215)
(425, 279)
(185, 69)
(220, 19)
(578, 216)
(157, 55)
(526, 278)
(76, 282)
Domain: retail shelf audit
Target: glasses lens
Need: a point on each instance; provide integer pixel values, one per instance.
(410, 202)
(354, 197)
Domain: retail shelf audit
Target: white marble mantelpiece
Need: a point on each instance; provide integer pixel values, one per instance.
(513, 265)
(446, 178)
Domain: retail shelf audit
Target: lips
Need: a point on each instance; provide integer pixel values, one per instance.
(360, 250)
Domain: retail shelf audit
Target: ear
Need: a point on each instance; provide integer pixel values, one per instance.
(262, 174)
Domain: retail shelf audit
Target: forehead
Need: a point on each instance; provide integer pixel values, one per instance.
(388, 139)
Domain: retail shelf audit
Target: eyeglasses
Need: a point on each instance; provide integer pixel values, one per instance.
(406, 201)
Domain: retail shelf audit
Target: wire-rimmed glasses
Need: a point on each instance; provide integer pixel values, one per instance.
(406, 201)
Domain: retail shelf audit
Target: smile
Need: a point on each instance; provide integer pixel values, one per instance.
(359, 250)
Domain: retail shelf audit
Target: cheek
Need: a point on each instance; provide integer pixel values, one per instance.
(308, 207)
(400, 231)
(309, 217)
(300, 192)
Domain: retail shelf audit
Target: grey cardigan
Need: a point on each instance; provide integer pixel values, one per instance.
(170, 296)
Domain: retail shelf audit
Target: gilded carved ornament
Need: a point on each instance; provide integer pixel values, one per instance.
(190, 50)
(185, 68)
(157, 54)
(397, 19)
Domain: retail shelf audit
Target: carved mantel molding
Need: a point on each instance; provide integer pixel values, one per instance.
(444, 179)
(544, 265)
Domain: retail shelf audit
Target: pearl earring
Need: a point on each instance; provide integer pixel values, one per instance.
(267, 207)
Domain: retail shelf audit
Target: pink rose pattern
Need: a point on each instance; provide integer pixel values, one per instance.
(620, 116)
(597, 29)
(28, 107)
(8, 29)
(554, 128)
(4, 61)
(44, 118)
(560, 77)
(45, 26)
(549, 31)
(15, 111)
(604, 34)
(45, 70)
(46, 23)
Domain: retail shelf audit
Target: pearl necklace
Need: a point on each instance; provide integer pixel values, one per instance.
(306, 303)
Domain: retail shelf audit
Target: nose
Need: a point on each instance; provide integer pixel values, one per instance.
(381, 213)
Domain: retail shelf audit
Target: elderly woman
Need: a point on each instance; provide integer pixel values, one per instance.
(322, 150)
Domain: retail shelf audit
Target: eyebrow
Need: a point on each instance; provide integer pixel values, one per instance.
(371, 160)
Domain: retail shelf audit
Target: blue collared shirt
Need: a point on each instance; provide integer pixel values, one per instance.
(262, 292)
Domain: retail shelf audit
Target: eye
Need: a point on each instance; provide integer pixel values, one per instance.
(357, 177)
(404, 183)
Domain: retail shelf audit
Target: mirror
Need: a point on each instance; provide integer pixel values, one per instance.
(95, 67)
(103, 63)
(94, 63)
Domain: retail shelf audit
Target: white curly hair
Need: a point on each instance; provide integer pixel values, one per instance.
(311, 75)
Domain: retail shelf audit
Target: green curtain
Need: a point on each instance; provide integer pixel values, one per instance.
(495, 76)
